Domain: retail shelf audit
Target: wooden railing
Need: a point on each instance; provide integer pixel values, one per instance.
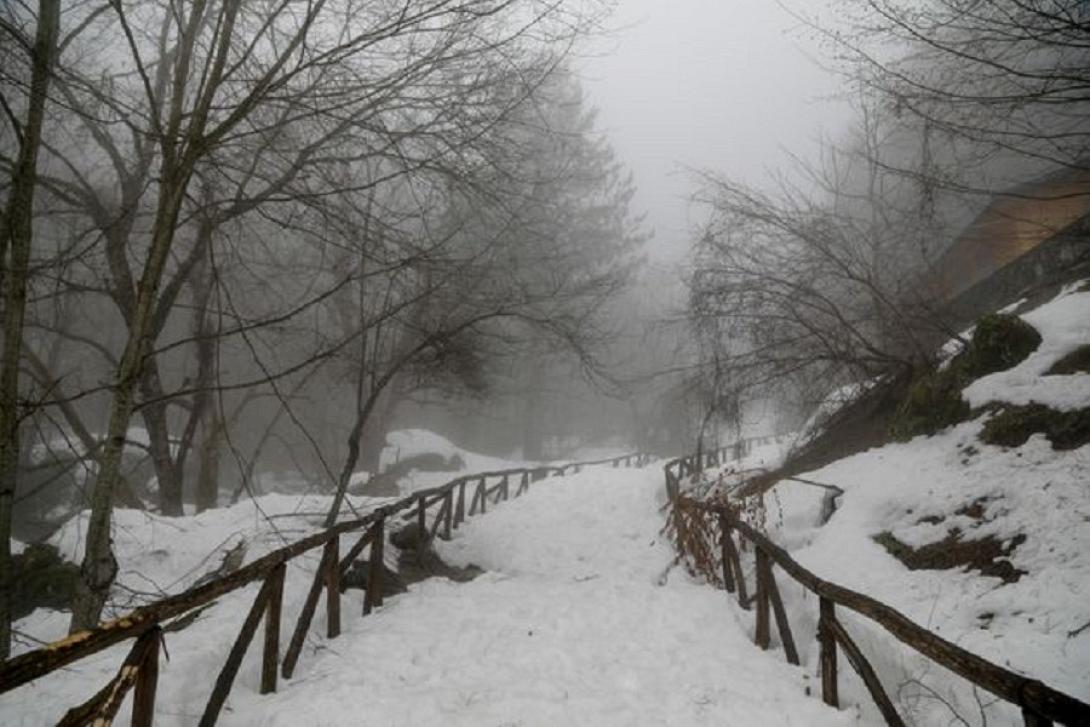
(147, 624)
(1040, 704)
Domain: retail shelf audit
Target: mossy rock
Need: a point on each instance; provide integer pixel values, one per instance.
(1076, 362)
(1000, 341)
(933, 402)
(42, 580)
(1013, 425)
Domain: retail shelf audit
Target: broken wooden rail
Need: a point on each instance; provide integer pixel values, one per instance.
(1040, 704)
(147, 624)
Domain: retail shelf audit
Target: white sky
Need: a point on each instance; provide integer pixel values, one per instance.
(721, 84)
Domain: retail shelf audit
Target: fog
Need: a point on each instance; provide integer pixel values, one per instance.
(351, 249)
(708, 85)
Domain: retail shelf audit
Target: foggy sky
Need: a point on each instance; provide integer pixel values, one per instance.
(722, 84)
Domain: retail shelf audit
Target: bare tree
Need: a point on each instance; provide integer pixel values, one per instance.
(16, 236)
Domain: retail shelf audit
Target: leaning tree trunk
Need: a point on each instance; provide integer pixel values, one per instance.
(16, 235)
(99, 567)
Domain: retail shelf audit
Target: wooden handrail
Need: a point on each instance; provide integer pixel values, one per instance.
(1037, 700)
(35, 664)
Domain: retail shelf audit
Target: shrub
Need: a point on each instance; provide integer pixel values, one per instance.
(1013, 425)
(1076, 362)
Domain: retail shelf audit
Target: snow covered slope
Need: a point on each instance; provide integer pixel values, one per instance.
(1031, 500)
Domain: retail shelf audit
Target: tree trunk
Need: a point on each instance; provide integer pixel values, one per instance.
(99, 567)
(16, 236)
(155, 420)
(209, 464)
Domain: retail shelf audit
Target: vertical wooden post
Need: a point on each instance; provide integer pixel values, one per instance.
(333, 588)
(504, 488)
(762, 635)
(234, 658)
(147, 678)
(827, 639)
(460, 512)
(736, 563)
(524, 484)
(482, 487)
(373, 595)
(422, 518)
(780, 613)
(1032, 719)
(271, 656)
(449, 516)
(724, 530)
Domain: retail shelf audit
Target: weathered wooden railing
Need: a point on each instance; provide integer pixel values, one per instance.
(1040, 704)
(147, 624)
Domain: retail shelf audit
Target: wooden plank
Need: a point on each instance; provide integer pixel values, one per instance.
(1032, 719)
(449, 507)
(739, 574)
(483, 490)
(866, 673)
(354, 552)
(460, 514)
(524, 485)
(762, 635)
(227, 674)
(1015, 688)
(302, 624)
(440, 517)
(782, 625)
(333, 589)
(827, 658)
(422, 516)
(373, 595)
(506, 493)
(270, 655)
(106, 703)
(147, 681)
(728, 571)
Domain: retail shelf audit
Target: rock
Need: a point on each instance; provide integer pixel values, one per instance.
(410, 537)
(356, 577)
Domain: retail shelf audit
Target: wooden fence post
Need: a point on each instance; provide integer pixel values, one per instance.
(227, 674)
(333, 588)
(422, 519)
(503, 488)
(460, 513)
(1032, 719)
(762, 636)
(736, 563)
(827, 639)
(449, 506)
(270, 658)
(780, 613)
(724, 535)
(373, 595)
(147, 679)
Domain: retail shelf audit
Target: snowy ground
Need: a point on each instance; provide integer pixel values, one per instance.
(570, 625)
(1039, 625)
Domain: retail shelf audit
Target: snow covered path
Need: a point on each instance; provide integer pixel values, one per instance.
(568, 626)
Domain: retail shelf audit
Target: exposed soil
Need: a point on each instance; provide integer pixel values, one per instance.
(987, 555)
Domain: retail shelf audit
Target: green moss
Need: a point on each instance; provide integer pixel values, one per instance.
(1000, 341)
(934, 401)
(42, 580)
(1076, 362)
(1013, 425)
